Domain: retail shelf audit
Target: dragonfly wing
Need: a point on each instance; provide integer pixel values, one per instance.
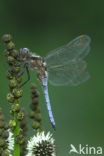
(85, 52)
(69, 74)
(75, 48)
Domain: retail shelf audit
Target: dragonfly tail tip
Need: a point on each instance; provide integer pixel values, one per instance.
(54, 127)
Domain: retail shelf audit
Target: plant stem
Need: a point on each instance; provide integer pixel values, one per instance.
(16, 132)
(15, 92)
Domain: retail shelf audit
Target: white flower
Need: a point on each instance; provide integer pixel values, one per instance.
(41, 144)
(10, 141)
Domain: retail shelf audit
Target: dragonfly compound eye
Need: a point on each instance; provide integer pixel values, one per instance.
(24, 52)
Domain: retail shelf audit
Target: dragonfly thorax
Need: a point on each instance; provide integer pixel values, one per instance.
(38, 64)
(34, 61)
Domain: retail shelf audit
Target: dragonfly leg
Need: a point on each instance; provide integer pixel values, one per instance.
(19, 60)
(28, 75)
(17, 64)
(22, 71)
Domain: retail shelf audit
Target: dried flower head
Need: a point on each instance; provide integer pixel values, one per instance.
(41, 145)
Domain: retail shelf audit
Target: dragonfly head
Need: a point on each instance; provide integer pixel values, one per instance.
(24, 52)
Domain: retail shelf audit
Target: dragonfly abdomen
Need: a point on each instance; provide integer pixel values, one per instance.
(45, 90)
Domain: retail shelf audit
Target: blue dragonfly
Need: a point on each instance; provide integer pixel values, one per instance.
(62, 66)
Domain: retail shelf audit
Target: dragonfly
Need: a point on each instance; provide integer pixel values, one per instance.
(62, 66)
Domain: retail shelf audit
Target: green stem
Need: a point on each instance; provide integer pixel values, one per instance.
(16, 132)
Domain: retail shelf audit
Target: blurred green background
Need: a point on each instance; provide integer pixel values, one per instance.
(42, 26)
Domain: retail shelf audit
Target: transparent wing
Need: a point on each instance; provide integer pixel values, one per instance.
(79, 47)
(71, 74)
(85, 52)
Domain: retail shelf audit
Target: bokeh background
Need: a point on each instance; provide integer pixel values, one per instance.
(42, 26)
